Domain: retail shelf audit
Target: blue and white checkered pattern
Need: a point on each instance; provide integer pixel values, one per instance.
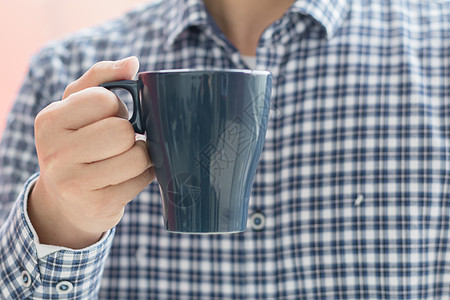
(353, 181)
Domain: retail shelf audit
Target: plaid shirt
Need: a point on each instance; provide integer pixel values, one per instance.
(351, 197)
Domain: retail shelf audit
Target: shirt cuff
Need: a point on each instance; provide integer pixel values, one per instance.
(65, 273)
(44, 249)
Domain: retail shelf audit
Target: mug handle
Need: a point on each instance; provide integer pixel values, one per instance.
(133, 87)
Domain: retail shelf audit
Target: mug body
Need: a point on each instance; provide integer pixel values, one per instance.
(205, 134)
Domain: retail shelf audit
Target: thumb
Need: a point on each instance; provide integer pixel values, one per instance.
(102, 72)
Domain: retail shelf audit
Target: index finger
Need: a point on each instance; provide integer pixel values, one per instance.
(89, 106)
(102, 72)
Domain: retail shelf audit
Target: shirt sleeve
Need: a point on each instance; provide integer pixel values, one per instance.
(65, 273)
(25, 272)
(43, 250)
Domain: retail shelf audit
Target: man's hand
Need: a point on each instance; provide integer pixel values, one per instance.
(90, 164)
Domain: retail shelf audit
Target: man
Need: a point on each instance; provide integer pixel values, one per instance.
(350, 198)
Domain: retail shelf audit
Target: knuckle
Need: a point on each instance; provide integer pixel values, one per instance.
(40, 122)
(105, 204)
(111, 214)
(47, 136)
(48, 116)
(118, 134)
(96, 70)
(70, 89)
(142, 156)
(89, 78)
(145, 178)
(107, 100)
(124, 132)
(99, 66)
(138, 163)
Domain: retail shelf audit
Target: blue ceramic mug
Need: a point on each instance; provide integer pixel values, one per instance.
(205, 134)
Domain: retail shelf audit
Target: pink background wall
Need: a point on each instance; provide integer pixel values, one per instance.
(25, 25)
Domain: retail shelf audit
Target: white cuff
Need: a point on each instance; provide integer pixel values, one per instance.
(42, 249)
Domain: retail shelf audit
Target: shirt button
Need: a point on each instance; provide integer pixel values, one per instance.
(64, 287)
(257, 221)
(26, 279)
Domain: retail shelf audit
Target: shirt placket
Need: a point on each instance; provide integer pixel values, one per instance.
(260, 246)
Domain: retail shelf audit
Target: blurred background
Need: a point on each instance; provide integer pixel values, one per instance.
(26, 25)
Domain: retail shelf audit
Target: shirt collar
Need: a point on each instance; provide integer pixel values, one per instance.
(329, 13)
(190, 13)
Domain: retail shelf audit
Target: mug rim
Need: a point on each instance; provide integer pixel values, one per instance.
(207, 71)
